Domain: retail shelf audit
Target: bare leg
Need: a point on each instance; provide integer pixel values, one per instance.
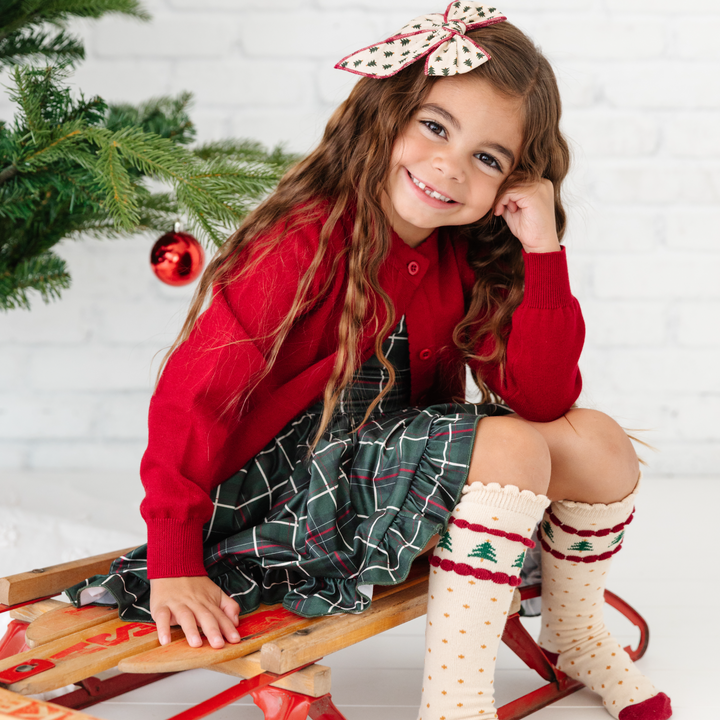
(508, 451)
(593, 460)
(594, 473)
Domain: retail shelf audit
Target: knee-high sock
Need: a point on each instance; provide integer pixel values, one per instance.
(474, 572)
(578, 542)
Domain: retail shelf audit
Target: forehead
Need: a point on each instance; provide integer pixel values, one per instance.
(476, 104)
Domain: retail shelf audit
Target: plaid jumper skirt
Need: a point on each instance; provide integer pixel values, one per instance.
(308, 533)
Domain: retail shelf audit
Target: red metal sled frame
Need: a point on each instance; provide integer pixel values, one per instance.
(279, 704)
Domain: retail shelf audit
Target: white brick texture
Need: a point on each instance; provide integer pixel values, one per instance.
(642, 106)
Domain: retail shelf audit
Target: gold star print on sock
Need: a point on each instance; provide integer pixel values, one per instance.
(475, 565)
(579, 542)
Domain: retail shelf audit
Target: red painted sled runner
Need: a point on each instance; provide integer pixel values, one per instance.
(51, 645)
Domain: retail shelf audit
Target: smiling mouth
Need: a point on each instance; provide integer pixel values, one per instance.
(429, 191)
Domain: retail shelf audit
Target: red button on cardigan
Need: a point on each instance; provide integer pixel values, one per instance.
(413, 267)
(425, 354)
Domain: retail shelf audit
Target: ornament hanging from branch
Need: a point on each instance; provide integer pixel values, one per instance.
(177, 258)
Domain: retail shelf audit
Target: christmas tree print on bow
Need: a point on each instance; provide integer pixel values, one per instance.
(439, 37)
(484, 551)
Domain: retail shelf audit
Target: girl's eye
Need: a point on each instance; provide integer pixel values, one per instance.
(489, 160)
(434, 127)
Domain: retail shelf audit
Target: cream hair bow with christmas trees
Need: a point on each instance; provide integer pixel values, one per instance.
(440, 38)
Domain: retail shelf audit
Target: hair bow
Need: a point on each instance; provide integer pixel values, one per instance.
(439, 37)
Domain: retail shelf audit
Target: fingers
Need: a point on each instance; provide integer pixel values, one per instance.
(186, 619)
(198, 606)
(227, 628)
(162, 618)
(519, 196)
(230, 608)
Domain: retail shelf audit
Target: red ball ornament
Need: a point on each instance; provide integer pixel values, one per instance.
(177, 258)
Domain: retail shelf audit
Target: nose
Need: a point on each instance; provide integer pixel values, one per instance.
(449, 164)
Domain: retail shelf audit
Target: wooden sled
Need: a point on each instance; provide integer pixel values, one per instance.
(51, 645)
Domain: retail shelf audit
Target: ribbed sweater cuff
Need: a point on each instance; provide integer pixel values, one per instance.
(174, 548)
(547, 284)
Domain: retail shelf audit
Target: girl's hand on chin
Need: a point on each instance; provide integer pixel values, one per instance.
(193, 602)
(529, 211)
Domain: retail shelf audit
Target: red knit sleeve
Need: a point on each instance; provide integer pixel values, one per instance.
(191, 431)
(541, 379)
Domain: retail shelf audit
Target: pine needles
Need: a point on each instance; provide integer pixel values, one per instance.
(72, 166)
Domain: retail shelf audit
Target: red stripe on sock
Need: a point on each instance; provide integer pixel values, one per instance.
(589, 533)
(577, 558)
(479, 573)
(474, 527)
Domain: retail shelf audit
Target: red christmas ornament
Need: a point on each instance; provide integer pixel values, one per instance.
(177, 258)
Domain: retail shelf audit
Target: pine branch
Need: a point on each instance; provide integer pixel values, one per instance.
(164, 116)
(16, 14)
(71, 166)
(28, 43)
(46, 274)
(246, 151)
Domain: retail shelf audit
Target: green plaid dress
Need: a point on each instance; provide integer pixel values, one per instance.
(308, 533)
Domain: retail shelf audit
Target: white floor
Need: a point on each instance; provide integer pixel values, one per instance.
(667, 570)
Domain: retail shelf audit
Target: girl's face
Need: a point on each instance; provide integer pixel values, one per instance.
(453, 156)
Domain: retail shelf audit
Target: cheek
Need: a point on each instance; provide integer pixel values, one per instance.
(398, 152)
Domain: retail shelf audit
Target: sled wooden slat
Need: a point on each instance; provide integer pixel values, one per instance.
(338, 632)
(261, 626)
(52, 580)
(66, 620)
(268, 622)
(314, 681)
(30, 613)
(22, 708)
(82, 654)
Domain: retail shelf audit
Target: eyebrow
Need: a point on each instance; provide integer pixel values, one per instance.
(509, 155)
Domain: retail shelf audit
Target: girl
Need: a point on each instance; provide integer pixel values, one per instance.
(309, 437)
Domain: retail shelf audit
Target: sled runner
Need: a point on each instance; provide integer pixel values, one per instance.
(50, 645)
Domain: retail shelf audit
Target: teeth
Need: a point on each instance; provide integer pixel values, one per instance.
(432, 193)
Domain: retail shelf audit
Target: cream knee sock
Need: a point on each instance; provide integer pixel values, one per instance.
(474, 572)
(578, 542)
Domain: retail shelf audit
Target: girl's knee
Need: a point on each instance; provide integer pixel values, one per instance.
(509, 451)
(606, 447)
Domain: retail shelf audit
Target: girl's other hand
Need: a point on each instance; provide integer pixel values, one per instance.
(529, 211)
(191, 602)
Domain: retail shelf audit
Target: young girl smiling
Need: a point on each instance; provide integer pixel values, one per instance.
(309, 434)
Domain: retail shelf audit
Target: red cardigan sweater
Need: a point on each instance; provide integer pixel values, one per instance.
(193, 446)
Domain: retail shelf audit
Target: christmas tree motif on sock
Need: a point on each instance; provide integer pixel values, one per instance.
(573, 598)
(445, 542)
(484, 552)
(582, 546)
(468, 602)
(519, 560)
(547, 530)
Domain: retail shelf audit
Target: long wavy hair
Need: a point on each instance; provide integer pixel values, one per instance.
(349, 168)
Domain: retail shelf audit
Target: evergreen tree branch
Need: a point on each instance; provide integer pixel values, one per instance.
(27, 42)
(46, 274)
(8, 174)
(16, 14)
(72, 166)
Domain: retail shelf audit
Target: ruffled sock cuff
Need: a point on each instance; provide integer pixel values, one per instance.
(507, 497)
(595, 515)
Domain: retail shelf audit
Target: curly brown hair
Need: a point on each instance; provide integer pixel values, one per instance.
(349, 168)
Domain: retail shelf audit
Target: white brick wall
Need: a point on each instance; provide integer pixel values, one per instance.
(642, 99)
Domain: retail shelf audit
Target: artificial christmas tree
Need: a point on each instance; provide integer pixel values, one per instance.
(71, 165)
